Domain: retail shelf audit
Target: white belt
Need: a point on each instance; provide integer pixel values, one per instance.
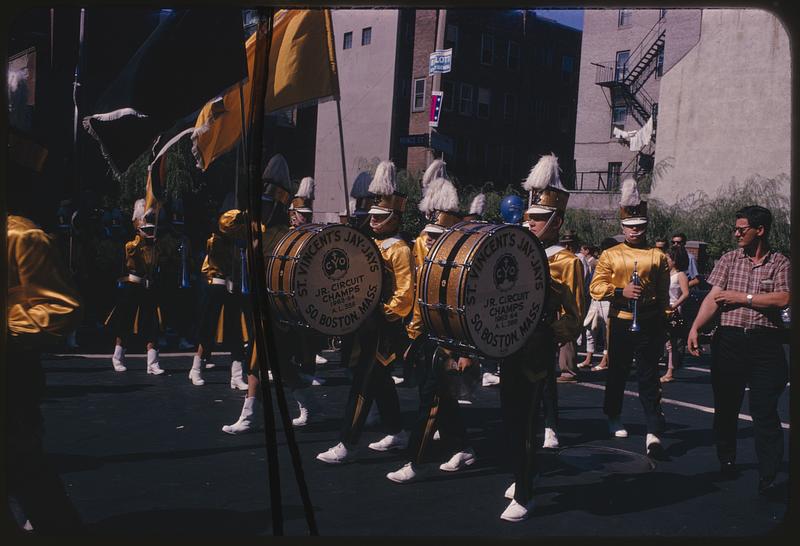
(138, 280)
(217, 280)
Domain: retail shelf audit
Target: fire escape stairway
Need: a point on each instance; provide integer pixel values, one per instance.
(645, 65)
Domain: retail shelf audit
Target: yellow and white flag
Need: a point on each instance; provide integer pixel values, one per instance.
(302, 70)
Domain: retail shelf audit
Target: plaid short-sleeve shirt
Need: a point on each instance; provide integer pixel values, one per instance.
(736, 271)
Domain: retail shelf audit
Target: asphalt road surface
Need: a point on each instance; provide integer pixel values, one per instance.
(144, 454)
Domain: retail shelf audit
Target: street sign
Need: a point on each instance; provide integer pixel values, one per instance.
(441, 61)
(436, 108)
(442, 143)
(414, 140)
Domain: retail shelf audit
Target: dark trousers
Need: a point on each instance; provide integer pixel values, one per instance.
(371, 381)
(756, 360)
(29, 476)
(646, 346)
(550, 399)
(438, 409)
(521, 392)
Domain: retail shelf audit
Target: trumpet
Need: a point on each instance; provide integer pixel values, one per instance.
(245, 278)
(634, 304)
(184, 263)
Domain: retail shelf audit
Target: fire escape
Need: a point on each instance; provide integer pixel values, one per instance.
(625, 83)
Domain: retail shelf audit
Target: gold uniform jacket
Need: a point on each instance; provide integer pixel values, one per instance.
(566, 302)
(140, 257)
(41, 299)
(398, 289)
(419, 252)
(614, 270)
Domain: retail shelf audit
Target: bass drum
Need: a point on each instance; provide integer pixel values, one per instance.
(483, 288)
(324, 276)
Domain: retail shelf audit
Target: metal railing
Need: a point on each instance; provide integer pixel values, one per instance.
(644, 46)
(606, 72)
(597, 181)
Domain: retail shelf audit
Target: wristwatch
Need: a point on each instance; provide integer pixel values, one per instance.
(749, 300)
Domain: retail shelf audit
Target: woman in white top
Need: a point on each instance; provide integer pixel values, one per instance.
(678, 261)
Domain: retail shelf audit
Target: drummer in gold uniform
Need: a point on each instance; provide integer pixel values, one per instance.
(530, 372)
(382, 338)
(438, 407)
(612, 282)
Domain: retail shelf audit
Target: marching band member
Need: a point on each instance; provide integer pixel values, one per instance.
(437, 406)
(222, 317)
(137, 310)
(613, 282)
(381, 338)
(529, 374)
(305, 341)
(274, 225)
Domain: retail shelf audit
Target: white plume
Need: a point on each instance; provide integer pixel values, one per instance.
(435, 170)
(630, 193)
(478, 204)
(543, 174)
(441, 195)
(306, 189)
(383, 183)
(277, 172)
(138, 210)
(360, 187)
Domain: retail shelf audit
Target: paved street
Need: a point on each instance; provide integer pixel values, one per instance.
(143, 454)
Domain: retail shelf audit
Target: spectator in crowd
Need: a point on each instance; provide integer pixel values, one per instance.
(677, 260)
(661, 244)
(750, 286)
(596, 323)
(692, 273)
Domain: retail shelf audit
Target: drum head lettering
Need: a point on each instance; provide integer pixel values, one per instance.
(505, 291)
(337, 279)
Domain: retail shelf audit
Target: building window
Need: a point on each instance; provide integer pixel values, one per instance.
(624, 18)
(348, 40)
(469, 151)
(484, 102)
(487, 49)
(465, 100)
(513, 56)
(613, 175)
(451, 38)
(563, 119)
(419, 95)
(618, 117)
(567, 67)
(547, 56)
(660, 63)
(366, 36)
(447, 95)
(509, 107)
(621, 66)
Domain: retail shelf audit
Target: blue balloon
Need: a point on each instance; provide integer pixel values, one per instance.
(511, 208)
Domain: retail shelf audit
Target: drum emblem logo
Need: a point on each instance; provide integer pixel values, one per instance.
(506, 272)
(335, 264)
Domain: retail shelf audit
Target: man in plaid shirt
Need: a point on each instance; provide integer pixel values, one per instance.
(750, 286)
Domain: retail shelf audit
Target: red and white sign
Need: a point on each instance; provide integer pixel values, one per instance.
(436, 108)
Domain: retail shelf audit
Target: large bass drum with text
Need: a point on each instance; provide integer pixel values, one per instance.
(324, 276)
(483, 288)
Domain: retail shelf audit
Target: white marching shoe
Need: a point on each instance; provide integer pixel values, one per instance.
(196, 373)
(338, 454)
(616, 428)
(550, 439)
(409, 472)
(236, 376)
(246, 418)
(152, 362)
(460, 460)
(118, 360)
(517, 512)
(509, 494)
(653, 445)
(490, 379)
(391, 441)
(309, 407)
(320, 360)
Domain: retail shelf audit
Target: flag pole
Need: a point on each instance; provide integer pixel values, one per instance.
(337, 96)
(75, 85)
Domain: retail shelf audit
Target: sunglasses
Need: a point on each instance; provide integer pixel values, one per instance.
(678, 242)
(741, 230)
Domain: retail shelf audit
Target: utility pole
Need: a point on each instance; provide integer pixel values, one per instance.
(441, 25)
